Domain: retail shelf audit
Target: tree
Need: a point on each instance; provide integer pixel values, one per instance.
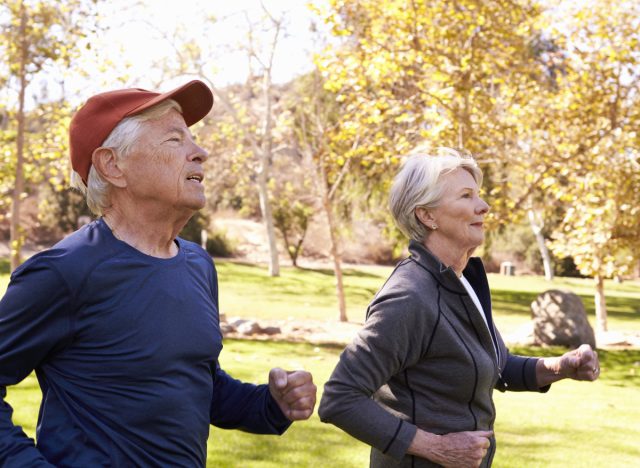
(437, 66)
(430, 73)
(592, 139)
(248, 125)
(35, 36)
(292, 212)
(601, 231)
(571, 142)
(60, 207)
(317, 135)
(418, 73)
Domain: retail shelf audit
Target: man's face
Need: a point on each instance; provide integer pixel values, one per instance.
(164, 168)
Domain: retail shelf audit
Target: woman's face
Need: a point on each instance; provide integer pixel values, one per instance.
(459, 216)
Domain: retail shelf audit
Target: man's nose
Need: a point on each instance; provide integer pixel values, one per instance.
(198, 154)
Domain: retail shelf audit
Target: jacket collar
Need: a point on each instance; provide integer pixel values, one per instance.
(441, 273)
(474, 272)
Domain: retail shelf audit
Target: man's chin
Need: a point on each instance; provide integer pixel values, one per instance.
(197, 205)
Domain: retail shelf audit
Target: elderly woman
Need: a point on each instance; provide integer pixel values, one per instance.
(416, 383)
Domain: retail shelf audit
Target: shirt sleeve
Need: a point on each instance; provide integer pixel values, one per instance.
(391, 340)
(244, 406)
(239, 405)
(34, 323)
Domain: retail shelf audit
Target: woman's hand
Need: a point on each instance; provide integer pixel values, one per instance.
(457, 449)
(579, 364)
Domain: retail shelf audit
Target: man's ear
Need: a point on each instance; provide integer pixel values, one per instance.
(424, 216)
(105, 161)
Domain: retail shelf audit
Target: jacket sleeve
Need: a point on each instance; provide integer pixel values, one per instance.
(34, 323)
(244, 406)
(392, 339)
(519, 375)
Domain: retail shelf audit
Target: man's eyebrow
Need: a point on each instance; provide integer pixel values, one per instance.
(182, 131)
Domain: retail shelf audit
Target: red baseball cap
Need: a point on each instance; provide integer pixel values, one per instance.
(94, 121)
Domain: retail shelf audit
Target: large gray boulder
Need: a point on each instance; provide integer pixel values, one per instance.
(559, 318)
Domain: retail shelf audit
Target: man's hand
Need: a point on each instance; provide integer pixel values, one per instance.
(294, 391)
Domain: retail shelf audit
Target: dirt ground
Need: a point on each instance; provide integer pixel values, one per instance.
(308, 331)
(342, 333)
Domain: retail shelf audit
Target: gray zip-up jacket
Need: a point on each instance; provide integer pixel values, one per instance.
(424, 358)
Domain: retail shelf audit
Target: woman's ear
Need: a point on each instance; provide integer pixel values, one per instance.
(425, 217)
(105, 161)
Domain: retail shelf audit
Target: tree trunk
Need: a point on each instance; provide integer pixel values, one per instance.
(601, 304)
(263, 175)
(267, 217)
(336, 255)
(536, 227)
(15, 228)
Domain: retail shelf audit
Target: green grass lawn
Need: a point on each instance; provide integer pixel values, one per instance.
(512, 296)
(248, 291)
(575, 424)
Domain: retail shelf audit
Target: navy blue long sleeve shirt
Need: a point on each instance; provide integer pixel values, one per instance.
(125, 348)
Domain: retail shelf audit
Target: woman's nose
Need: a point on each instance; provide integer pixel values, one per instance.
(483, 207)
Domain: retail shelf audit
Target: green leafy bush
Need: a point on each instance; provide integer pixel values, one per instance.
(219, 245)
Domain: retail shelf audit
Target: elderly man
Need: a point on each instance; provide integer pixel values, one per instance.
(120, 319)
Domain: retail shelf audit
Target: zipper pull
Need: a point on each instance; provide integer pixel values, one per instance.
(506, 385)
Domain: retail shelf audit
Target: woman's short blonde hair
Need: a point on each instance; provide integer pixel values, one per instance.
(420, 184)
(122, 139)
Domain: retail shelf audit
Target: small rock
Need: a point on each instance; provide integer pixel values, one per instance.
(225, 328)
(249, 327)
(236, 322)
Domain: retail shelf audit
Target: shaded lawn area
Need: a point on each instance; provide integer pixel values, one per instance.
(513, 295)
(246, 290)
(575, 424)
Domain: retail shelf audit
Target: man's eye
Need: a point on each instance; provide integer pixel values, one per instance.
(174, 139)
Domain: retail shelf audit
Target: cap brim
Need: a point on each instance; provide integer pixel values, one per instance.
(195, 98)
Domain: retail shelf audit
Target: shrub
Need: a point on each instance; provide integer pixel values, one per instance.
(219, 245)
(192, 231)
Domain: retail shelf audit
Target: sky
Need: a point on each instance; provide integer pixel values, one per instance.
(139, 37)
(136, 40)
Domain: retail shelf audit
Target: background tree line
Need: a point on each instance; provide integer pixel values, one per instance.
(544, 94)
